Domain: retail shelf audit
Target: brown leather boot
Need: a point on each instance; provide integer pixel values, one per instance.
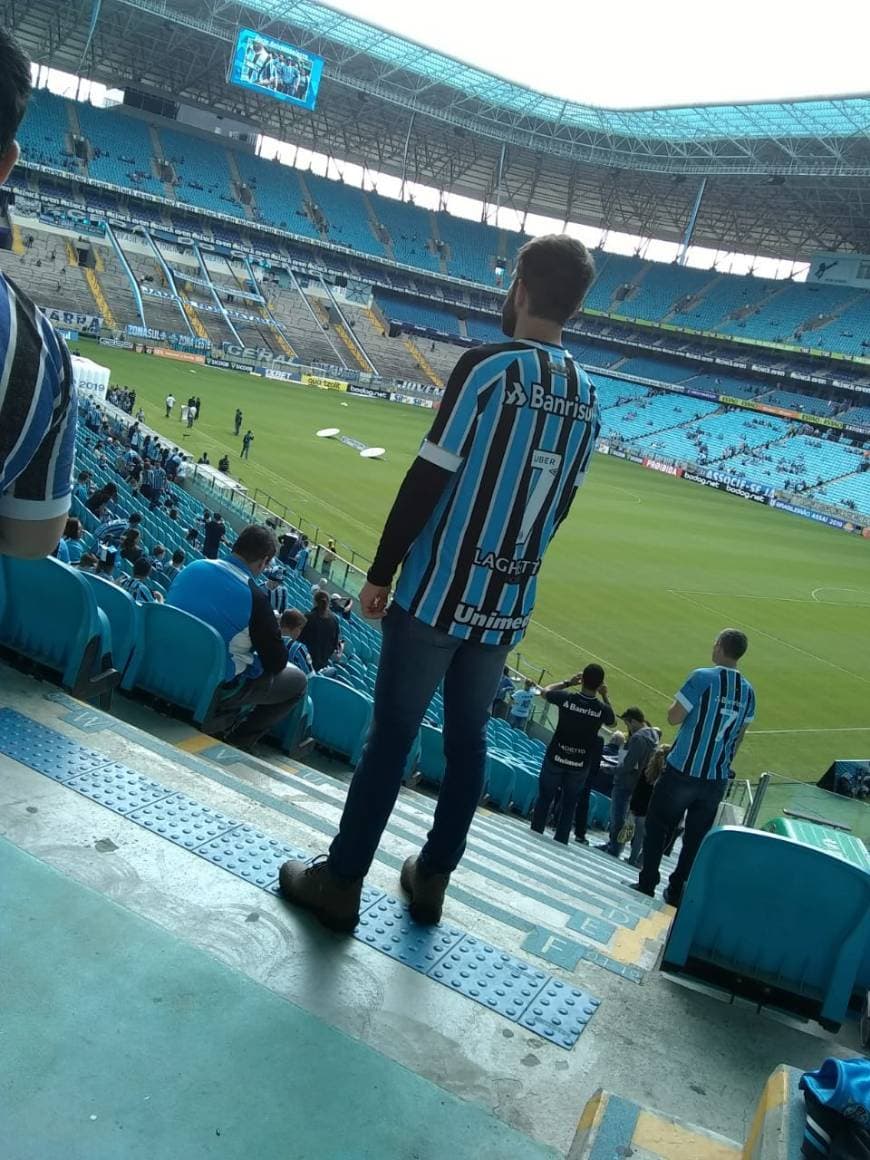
(425, 891)
(312, 885)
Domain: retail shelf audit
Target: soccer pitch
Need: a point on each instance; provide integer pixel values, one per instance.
(641, 576)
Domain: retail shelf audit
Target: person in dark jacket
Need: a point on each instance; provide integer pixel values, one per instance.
(225, 594)
(213, 536)
(641, 744)
(321, 634)
(640, 799)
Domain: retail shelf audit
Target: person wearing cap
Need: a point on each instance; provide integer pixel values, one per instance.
(639, 748)
(275, 590)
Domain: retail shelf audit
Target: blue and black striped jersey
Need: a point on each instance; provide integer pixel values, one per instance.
(37, 412)
(720, 702)
(516, 429)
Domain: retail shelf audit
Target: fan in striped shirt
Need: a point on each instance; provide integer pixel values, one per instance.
(37, 396)
(275, 590)
(492, 482)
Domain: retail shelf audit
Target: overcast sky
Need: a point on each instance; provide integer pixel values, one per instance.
(633, 53)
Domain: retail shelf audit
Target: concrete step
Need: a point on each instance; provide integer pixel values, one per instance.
(612, 1127)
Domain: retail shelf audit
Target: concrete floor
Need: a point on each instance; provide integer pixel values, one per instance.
(652, 1041)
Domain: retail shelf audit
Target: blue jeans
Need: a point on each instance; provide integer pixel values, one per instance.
(569, 780)
(675, 794)
(415, 659)
(623, 788)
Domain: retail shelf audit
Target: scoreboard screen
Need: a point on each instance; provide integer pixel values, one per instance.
(275, 69)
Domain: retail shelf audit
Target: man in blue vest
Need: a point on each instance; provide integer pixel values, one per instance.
(224, 594)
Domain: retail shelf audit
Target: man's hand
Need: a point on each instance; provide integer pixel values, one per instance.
(602, 691)
(577, 679)
(373, 601)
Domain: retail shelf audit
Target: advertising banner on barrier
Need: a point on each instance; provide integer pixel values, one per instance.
(663, 467)
(120, 343)
(324, 383)
(822, 420)
(89, 324)
(180, 355)
(282, 376)
(368, 392)
(729, 483)
(180, 341)
(223, 363)
(818, 517)
(618, 453)
(411, 401)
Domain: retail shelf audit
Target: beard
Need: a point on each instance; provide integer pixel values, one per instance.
(509, 313)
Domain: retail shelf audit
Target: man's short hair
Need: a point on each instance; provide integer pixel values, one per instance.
(556, 270)
(142, 568)
(178, 556)
(292, 618)
(592, 676)
(14, 89)
(321, 601)
(733, 643)
(255, 543)
(134, 518)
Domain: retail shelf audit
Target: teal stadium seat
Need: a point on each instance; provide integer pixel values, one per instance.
(431, 761)
(179, 659)
(51, 618)
(341, 717)
(500, 778)
(122, 613)
(296, 726)
(775, 921)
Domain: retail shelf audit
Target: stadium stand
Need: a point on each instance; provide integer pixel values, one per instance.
(278, 197)
(796, 401)
(659, 370)
(812, 316)
(716, 437)
(642, 417)
(202, 172)
(802, 464)
(120, 149)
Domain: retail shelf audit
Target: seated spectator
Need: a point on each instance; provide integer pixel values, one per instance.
(322, 585)
(641, 744)
(174, 566)
(72, 538)
(288, 545)
(113, 529)
(292, 623)
(275, 590)
(100, 500)
(341, 605)
(158, 559)
(321, 634)
(521, 707)
(107, 561)
(224, 594)
(130, 548)
(88, 562)
(83, 486)
(224, 464)
(137, 584)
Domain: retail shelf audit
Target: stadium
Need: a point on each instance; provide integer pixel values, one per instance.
(280, 242)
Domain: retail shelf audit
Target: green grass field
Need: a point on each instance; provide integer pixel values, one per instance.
(641, 577)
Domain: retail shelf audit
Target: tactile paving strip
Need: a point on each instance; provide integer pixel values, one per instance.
(534, 999)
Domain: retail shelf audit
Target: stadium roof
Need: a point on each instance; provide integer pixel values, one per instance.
(784, 179)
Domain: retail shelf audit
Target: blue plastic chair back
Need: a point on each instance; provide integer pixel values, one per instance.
(500, 778)
(122, 612)
(342, 716)
(178, 658)
(295, 727)
(525, 789)
(51, 617)
(431, 761)
(763, 912)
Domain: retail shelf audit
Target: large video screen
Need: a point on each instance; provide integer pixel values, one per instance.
(275, 69)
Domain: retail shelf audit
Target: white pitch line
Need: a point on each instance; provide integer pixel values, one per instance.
(785, 643)
(777, 599)
(826, 588)
(585, 649)
(831, 729)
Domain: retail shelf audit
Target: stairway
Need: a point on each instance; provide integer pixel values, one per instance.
(194, 319)
(380, 234)
(96, 289)
(157, 151)
(338, 329)
(375, 317)
(422, 362)
(237, 180)
(441, 251)
(279, 337)
(18, 246)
